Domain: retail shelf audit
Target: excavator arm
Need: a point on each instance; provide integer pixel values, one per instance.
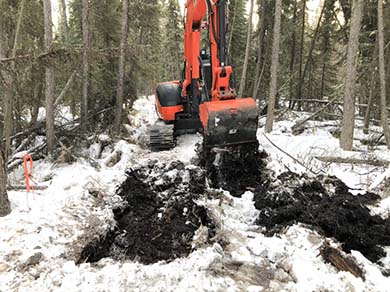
(206, 101)
(196, 12)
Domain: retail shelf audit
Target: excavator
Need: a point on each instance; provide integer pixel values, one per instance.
(204, 99)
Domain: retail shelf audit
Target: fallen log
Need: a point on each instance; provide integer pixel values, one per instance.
(353, 160)
(341, 261)
(65, 89)
(23, 187)
(324, 101)
(113, 158)
(299, 126)
(35, 152)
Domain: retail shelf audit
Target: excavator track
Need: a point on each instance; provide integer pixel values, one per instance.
(161, 136)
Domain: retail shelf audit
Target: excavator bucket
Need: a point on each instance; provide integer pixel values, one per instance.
(229, 122)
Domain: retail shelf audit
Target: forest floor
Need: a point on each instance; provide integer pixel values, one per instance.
(185, 220)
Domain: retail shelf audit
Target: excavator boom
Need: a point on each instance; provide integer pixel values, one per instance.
(205, 99)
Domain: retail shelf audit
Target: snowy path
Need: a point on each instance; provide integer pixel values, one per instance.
(38, 248)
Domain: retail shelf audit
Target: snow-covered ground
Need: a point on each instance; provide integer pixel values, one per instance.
(43, 236)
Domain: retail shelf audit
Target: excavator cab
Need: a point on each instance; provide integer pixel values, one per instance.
(205, 99)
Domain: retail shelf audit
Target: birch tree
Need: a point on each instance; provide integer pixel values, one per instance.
(49, 78)
(121, 67)
(348, 122)
(382, 74)
(274, 67)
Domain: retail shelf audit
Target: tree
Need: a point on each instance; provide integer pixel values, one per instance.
(274, 67)
(5, 207)
(259, 63)
(348, 122)
(86, 49)
(6, 96)
(293, 51)
(172, 49)
(301, 77)
(49, 79)
(382, 74)
(236, 35)
(121, 67)
(64, 30)
(248, 43)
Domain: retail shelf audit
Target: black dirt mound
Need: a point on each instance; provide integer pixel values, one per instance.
(235, 169)
(159, 218)
(326, 204)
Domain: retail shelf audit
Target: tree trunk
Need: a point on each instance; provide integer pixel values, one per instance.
(299, 89)
(274, 68)
(5, 207)
(84, 97)
(121, 68)
(49, 79)
(232, 26)
(256, 82)
(292, 56)
(36, 103)
(382, 74)
(322, 81)
(7, 97)
(64, 31)
(348, 123)
(309, 58)
(372, 88)
(246, 58)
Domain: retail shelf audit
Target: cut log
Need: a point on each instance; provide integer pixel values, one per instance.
(353, 160)
(341, 260)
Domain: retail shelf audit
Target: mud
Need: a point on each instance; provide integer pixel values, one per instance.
(234, 169)
(323, 202)
(159, 217)
(326, 204)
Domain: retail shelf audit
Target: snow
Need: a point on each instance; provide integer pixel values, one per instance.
(77, 206)
(320, 142)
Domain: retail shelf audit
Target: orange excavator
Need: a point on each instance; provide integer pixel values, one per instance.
(204, 100)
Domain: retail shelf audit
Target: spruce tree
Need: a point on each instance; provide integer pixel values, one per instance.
(236, 35)
(172, 48)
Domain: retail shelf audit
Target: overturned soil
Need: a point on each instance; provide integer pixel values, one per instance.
(326, 204)
(159, 217)
(235, 169)
(323, 202)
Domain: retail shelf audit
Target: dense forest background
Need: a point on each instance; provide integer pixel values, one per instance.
(102, 55)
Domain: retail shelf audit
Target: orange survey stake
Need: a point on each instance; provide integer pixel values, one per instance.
(28, 171)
